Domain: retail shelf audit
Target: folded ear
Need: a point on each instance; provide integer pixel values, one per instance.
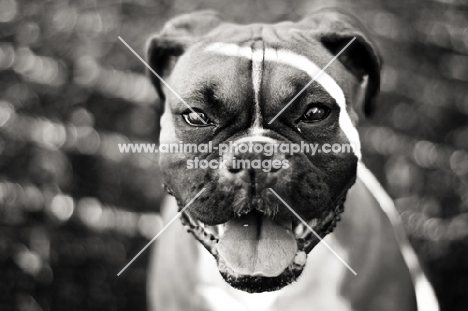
(335, 29)
(176, 36)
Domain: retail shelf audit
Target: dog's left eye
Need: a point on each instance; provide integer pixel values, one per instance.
(196, 118)
(315, 113)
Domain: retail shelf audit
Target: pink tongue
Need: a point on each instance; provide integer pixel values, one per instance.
(256, 245)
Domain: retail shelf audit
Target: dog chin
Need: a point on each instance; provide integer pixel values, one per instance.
(228, 246)
(260, 284)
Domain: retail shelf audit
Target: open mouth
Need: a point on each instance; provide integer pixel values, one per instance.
(256, 253)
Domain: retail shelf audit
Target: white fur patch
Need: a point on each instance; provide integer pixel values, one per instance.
(257, 75)
(230, 49)
(300, 62)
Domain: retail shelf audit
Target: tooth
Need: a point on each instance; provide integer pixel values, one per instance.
(299, 229)
(220, 230)
(313, 222)
(300, 258)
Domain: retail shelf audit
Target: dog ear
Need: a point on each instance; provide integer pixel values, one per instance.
(335, 29)
(176, 36)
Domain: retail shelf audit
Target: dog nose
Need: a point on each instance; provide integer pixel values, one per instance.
(254, 165)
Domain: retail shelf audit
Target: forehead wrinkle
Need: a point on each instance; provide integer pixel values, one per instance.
(290, 84)
(255, 54)
(204, 92)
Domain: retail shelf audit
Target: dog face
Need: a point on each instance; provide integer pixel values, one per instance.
(237, 79)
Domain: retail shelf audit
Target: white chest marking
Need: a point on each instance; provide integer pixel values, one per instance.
(299, 62)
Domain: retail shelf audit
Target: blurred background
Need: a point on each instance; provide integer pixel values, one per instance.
(74, 211)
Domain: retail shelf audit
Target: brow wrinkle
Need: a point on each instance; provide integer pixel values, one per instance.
(206, 93)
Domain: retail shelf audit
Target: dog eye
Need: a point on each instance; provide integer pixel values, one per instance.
(315, 113)
(197, 118)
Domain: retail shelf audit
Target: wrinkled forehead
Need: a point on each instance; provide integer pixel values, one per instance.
(229, 69)
(298, 61)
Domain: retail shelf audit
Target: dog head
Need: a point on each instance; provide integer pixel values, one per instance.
(228, 83)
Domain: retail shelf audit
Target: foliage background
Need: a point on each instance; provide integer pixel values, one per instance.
(73, 210)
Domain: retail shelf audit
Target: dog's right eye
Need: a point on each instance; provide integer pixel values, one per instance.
(315, 113)
(196, 118)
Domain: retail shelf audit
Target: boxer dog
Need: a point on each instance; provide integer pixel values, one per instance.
(246, 250)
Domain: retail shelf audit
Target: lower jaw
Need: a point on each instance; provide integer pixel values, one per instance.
(259, 283)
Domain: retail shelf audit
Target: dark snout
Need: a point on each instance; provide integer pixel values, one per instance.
(255, 161)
